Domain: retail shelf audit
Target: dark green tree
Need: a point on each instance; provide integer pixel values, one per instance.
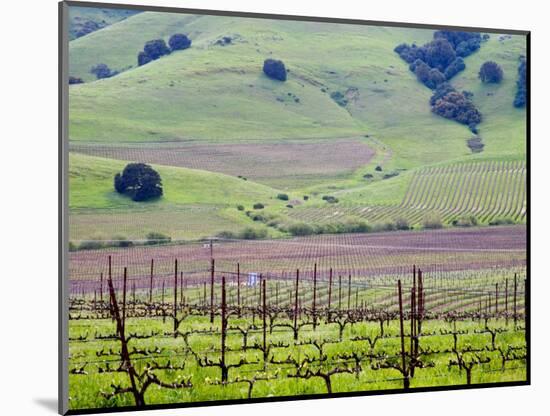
(154, 49)
(140, 181)
(179, 41)
(490, 73)
(102, 71)
(275, 69)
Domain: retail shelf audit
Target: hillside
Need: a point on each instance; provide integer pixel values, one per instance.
(195, 203)
(171, 99)
(351, 121)
(85, 20)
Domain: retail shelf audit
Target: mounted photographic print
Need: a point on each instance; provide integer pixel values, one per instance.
(261, 207)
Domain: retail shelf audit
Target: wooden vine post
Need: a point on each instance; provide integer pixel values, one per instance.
(211, 288)
(296, 306)
(175, 297)
(225, 370)
(151, 282)
(264, 324)
(314, 296)
(402, 335)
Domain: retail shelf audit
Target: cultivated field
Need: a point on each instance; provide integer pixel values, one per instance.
(224, 336)
(282, 163)
(488, 191)
(328, 233)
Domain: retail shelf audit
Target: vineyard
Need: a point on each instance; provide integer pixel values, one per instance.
(299, 237)
(170, 329)
(488, 190)
(370, 254)
(267, 163)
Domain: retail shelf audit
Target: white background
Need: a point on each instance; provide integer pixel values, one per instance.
(28, 192)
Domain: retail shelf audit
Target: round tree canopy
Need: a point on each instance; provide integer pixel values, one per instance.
(140, 181)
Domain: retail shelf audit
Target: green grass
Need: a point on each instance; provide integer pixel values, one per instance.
(488, 190)
(84, 388)
(170, 99)
(214, 94)
(78, 16)
(195, 203)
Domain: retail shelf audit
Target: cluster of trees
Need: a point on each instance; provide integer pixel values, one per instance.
(454, 105)
(102, 71)
(521, 93)
(140, 181)
(490, 73)
(275, 69)
(82, 28)
(435, 63)
(154, 49)
(442, 58)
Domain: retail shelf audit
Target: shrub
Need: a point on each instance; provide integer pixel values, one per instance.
(439, 54)
(390, 175)
(402, 224)
(75, 80)
(102, 71)
(140, 181)
(521, 93)
(154, 49)
(355, 227)
(456, 106)
(258, 205)
(143, 58)
(179, 41)
(475, 144)
(430, 77)
(378, 168)
(464, 43)
(410, 53)
(306, 197)
(155, 237)
(465, 221)
(275, 69)
(229, 235)
(386, 226)
(339, 98)
(432, 221)
(441, 91)
(72, 246)
(91, 245)
(330, 199)
(250, 233)
(258, 217)
(502, 221)
(299, 229)
(240, 207)
(290, 206)
(282, 197)
(122, 241)
(454, 68)
(490, 73)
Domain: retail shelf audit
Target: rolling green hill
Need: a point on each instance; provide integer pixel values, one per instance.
(172, 99)
(85, 20)
(195, 203)
(345, 83)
